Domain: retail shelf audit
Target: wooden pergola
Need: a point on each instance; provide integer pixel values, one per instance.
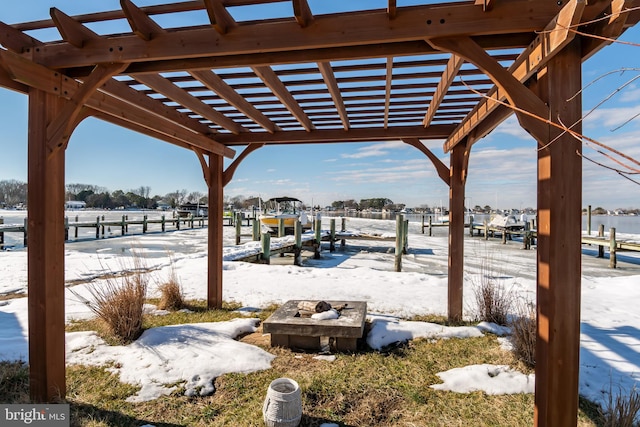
(450, 71)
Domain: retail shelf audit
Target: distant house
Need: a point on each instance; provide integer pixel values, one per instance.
(75, 204)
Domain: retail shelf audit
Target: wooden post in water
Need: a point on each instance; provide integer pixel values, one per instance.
(471, 225)
(24, 238)
(266, 248)
(66, 229)
(332, 238)
(318, 238)
(75, 233)
(256, 230)
(238, 227)
(589, 220)
(422, 224)
(280, 227)
(613, 247)
(163, 225)
(177, 223)
(405, 236)
(504, 236)
(399, 242)
(343, 227)
(144, 224)
(600, 234)
(430, 225)
(297, 253)
(1, 234)
(97, 227)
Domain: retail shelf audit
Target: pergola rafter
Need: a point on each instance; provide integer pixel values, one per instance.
(394, 73)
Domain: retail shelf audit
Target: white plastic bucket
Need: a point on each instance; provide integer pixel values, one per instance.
(283, 404)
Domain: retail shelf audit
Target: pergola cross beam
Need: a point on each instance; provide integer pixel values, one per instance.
(551, 41)
(450, 71)
(182, 97)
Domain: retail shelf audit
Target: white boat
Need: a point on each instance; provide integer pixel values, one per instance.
(507, 222)
(286, 209)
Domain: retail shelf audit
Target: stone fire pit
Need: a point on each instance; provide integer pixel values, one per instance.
(290, 329)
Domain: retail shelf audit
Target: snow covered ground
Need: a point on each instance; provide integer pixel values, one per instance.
(197, 353)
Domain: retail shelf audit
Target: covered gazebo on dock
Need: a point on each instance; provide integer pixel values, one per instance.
(215, 84)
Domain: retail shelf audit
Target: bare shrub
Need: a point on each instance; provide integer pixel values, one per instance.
(494, 301)
(524, 331)
(171, 297)
(119, 302)
(621, 410)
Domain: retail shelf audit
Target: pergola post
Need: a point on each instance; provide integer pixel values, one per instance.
(45, 253)
(559, 247)
(457, 176)
(214, 276)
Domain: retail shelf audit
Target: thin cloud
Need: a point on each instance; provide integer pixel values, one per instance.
(374, 150)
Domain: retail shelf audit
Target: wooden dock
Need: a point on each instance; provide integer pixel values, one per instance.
(529, 235)
(104, 228)
(268, 246)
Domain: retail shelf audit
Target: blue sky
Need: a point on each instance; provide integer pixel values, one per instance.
(502, 169)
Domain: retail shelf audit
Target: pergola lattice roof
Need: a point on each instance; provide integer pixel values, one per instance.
(297, 77)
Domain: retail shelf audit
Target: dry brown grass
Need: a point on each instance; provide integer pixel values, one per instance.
(524, 333)
(622, 409)
(493, 300)
(119, 302)
(171, 297)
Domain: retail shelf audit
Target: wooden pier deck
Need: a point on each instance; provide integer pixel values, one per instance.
(107, 227)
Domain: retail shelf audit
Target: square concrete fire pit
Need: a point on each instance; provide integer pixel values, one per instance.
(288, 329)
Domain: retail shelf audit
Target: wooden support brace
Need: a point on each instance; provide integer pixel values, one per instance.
(59, 131)
(231, 169)
(441, 168)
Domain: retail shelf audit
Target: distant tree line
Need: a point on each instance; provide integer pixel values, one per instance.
(364, 204)
(14, 193)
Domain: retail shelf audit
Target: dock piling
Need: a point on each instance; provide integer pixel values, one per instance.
(399, 242)
(265, 255)
(332, 238)
(297, 253)
(600, 247)
(613, 247)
